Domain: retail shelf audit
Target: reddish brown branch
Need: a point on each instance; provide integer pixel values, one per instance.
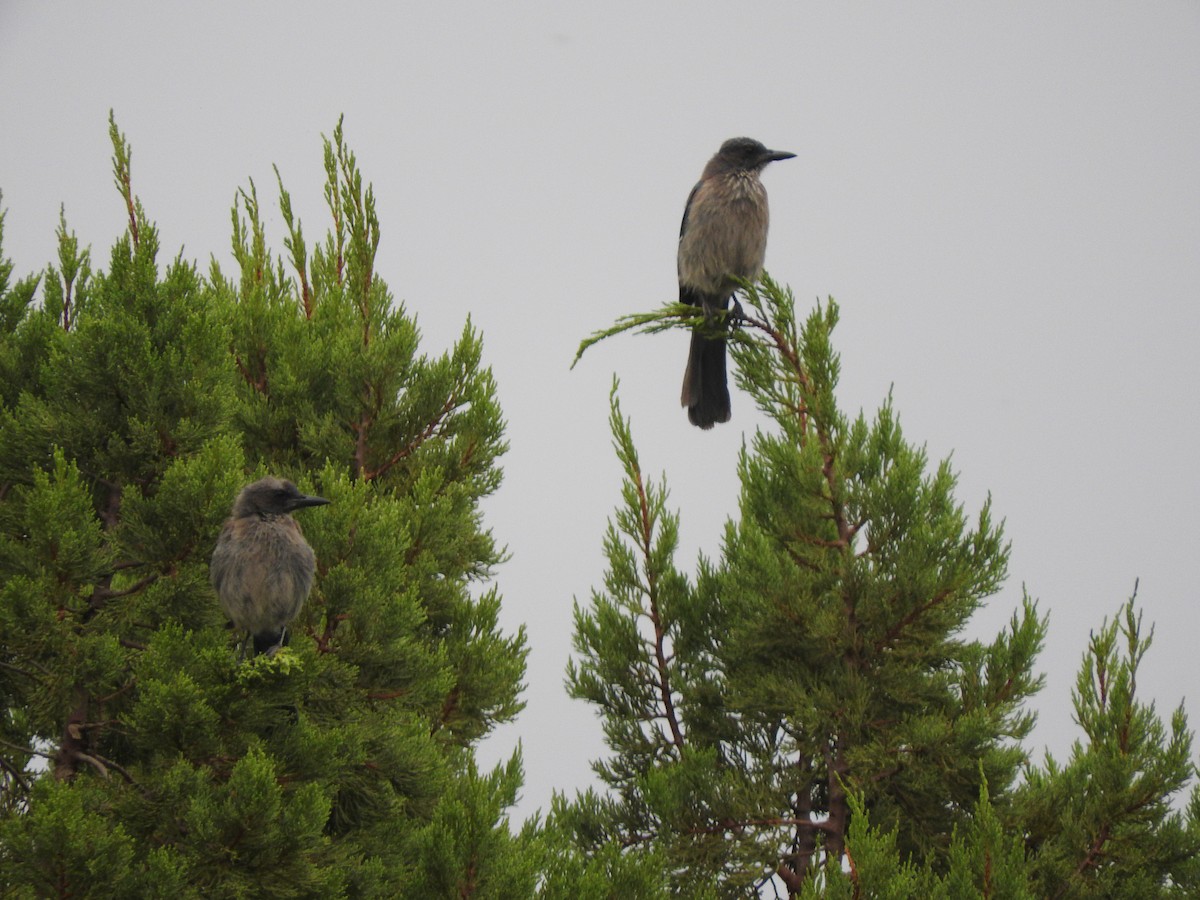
(853, 874)
(127, 190)
(68, 286)
(660, 661)
(102, 595)
(805, 840)
(1090, 860)
(73, 741)
(361, 427)
(387, 695)
(449, 708)
(259, 384)
(431, 429)
(331, 623)
(306, 294)
(894, 632)
(788, 352)
(838, 823)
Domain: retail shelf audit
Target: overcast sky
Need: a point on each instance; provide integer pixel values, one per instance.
(1004, 199)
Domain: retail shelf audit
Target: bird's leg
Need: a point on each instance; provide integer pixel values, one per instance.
(279, 645)
(737, 315)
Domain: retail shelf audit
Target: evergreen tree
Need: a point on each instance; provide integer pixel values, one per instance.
(135, 403)
(802, 715)
(1105, 824)
(805, 715)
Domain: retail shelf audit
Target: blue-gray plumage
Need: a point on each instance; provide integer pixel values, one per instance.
(723, 234)
(262, 567)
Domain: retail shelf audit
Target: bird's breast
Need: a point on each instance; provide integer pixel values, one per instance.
(725, 235)
(263, 569)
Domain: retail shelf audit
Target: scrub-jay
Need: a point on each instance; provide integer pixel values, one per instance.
(724, 233)
(262, 566)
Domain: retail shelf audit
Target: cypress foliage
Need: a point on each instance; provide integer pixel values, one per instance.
(137, 400)
(804, 715)
(1108, 823)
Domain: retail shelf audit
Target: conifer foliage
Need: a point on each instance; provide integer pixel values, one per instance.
(805, 716)
(802, 716)
(139, 758)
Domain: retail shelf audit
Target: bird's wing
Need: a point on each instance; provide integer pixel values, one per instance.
(219, 566)
(690, 295)
(687, 294)
(688, 207)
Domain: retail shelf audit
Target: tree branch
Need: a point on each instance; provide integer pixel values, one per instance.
(660, 660)
(411, 447)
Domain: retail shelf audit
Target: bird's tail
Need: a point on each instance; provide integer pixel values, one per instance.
(705, 387)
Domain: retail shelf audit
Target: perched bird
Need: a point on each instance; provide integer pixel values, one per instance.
(262, 567)
(724, 234)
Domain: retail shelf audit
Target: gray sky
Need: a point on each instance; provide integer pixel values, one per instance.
(1004, 199)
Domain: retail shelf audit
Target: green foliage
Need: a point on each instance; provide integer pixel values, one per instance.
(806, 712)
(247, 836)
(136, 401)
(803, 714)
(467, 849)
(984, 860)
(1103, 825)
(67, 843)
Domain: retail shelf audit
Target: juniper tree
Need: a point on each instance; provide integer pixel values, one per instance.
(1110, 822)
(805, 715)
(137, 400)
(820, 659)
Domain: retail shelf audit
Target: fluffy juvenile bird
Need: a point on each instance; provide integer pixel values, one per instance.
(724, 233)
(262, 567)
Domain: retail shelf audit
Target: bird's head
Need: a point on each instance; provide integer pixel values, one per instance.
(747, 154)
(272, 496)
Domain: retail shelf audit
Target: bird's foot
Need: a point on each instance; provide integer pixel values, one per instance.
(279, 645)
(737, 316)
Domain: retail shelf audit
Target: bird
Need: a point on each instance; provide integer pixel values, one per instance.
(723, 236)
(262, 567)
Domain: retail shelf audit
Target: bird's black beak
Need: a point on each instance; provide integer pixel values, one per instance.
(304, 500)
(776, 155)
